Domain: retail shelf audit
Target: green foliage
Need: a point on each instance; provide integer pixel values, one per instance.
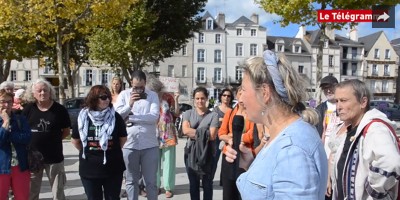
(152, 31)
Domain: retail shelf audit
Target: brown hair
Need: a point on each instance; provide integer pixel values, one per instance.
(92, 98)
(4, 93)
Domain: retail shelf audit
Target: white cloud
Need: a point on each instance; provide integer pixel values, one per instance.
(234, 9)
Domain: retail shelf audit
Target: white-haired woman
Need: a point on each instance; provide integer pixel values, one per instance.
(293, 164)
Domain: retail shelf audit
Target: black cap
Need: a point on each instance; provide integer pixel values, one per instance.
(328, 80)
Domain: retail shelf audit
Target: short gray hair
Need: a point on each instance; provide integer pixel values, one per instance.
(360, 90)
(5, 84)
(154, 84)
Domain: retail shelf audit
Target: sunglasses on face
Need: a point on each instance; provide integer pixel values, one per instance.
(226, 95)
(104, 97)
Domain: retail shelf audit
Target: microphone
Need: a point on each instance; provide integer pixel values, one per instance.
(237, 130)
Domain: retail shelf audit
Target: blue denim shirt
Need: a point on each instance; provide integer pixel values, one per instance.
(19, 135)
(292, 166)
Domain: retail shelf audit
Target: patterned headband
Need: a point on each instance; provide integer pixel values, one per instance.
(271, 61)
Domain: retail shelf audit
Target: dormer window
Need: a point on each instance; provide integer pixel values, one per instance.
(209, 24)
(280, 48)
(296, 48)
(280, 45)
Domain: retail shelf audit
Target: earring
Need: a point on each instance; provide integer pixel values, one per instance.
(262, 113)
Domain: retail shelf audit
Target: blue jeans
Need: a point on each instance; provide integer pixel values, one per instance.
(194, 184)
(95, 187)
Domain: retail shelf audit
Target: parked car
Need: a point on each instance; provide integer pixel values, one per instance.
(178, 123)
(391, 109)
(74, 106)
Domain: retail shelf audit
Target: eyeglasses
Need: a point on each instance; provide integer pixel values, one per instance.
(6, 102)
(226, 95)
(104, 97)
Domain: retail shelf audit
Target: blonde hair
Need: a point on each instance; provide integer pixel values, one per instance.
(120, 82)
(311, 116)
(294, 84)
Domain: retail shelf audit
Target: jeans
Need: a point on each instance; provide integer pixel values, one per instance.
(194, 184)
(96, 187)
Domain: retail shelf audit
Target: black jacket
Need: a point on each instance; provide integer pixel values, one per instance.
(200, 152)
(321, 109)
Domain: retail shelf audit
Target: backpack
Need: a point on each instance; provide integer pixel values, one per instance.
(364, 133)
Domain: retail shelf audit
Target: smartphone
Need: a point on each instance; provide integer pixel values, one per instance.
(143, 95)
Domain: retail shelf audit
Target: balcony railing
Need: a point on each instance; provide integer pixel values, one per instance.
(234, 81)
(351, 56)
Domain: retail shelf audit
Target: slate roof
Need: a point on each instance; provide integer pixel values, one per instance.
(346, 41)
(313, 39)
(396, 41)
(216, 27)
(271, 40)
(369, 40)
(244, 20)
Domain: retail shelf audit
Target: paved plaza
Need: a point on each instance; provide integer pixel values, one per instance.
(74, 189)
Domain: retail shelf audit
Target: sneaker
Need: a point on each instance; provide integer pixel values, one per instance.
(168, 194)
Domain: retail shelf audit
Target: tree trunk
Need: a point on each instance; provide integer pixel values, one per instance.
(1, 69)
(60, 67)
(68, 72)
(319, 62)
(126, 74)
(320, 55)
(6, 70)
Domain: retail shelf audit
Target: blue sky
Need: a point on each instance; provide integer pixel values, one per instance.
(234, 9)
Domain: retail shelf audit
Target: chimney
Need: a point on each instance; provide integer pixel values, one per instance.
(329, 32)
(221, 20)
(254, 18)
(353, 34)
(301, 33)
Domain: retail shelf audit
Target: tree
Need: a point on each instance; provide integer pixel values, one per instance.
(152, 31)
(12, 46)
(55, 22)
(305, 13)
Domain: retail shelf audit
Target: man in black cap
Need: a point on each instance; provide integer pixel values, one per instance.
(327, 107)
(327, 111)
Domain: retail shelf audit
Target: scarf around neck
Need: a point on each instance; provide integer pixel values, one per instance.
(104, 122)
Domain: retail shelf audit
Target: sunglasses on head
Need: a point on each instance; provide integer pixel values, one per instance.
(104, 97)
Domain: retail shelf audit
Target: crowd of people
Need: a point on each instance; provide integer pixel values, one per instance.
(272, 145)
